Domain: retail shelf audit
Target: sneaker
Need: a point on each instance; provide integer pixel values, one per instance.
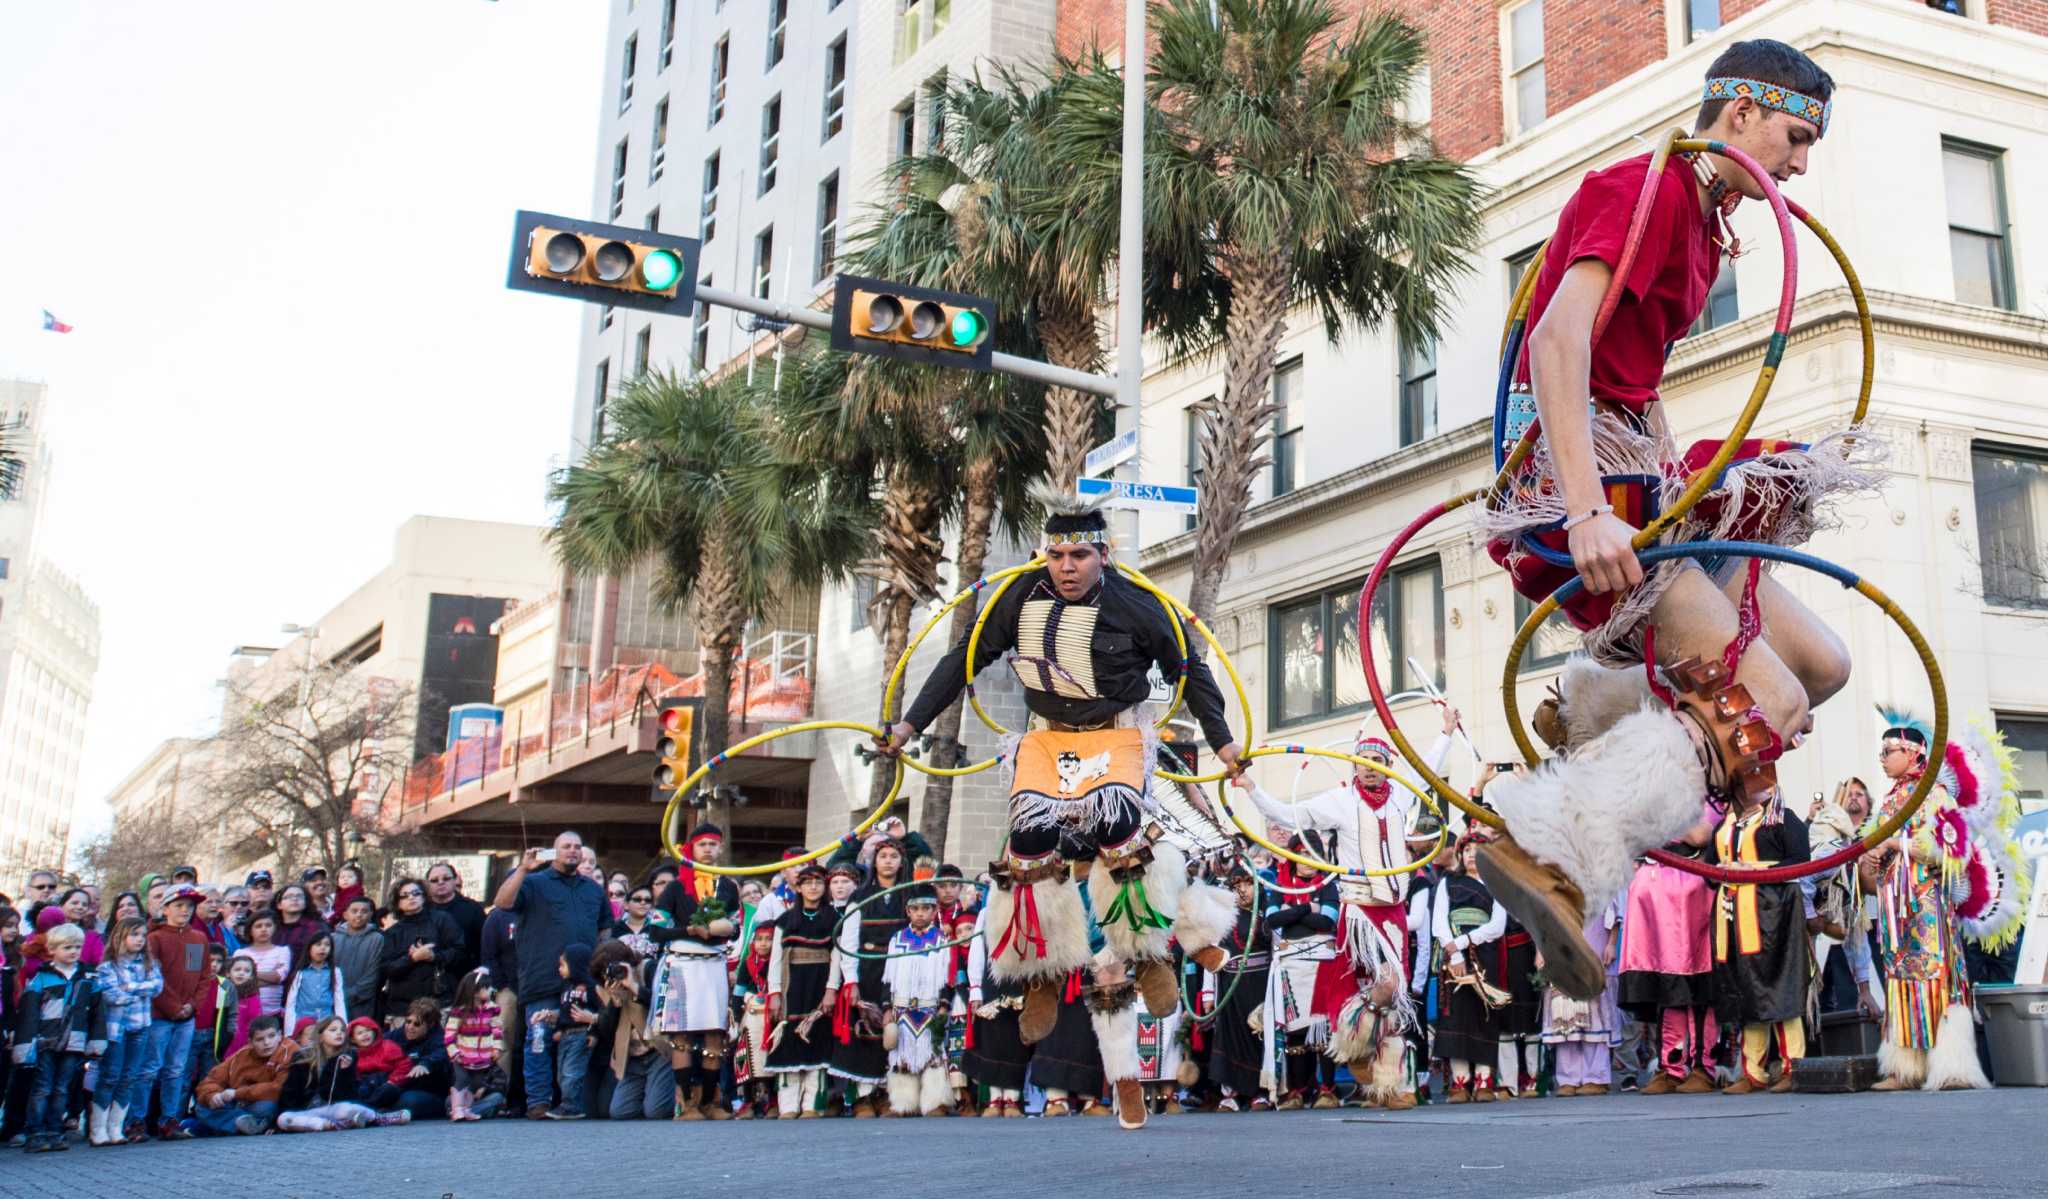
(36, 1145)
(171, 1130)
(59, 1143)
(563, 1113)
(395, 1119)
(537, 1111)
(1628, 1083)
(18, 1141)
(248, 1126)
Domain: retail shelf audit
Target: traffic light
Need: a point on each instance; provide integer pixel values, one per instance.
(604, 264)
(675, 722)
(916, 324)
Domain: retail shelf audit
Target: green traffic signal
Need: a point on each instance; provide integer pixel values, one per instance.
(660, 270)
(968, 328)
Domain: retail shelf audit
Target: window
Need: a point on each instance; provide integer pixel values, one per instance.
(828, 224)
(600, 396)
(909, 27)
(1701, 18)
(2027, 737)
(619, 178)
(3, 567)
(604, 316)
(771, 142)
(1977, 223)
(668, 34)
(1418, 390)
(1525, 65)
(653, 220)
(657, 154)
(905, 125)
(1518, 264)
(721, 66)
(1720, 309)
(764, 261)
(835, 88)
(643, 349)
(700, 330)
(942, 15)
(1316, 672)
(1287, 408)
(778, 29)
(1555, 638)
(2012, 524)
(626, 68)
(707, 213)
(1194, 457)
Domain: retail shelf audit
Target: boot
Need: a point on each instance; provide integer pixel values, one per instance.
(1663, 1084)
(458, 1105)
(1293, 1102)
(96, 1124)
(963, 1101)
(1172, 1107)
(1325, 1100)
(864, 1108)
(1012, 1110)
(746, 1112)
(1741, 1086)
(1159, 987)
(1210, 957)
(686, 1104)
(1553, 910)
(1784, 1083)
(1130, 1103)
(1699, 1082)
(992, 1110)
(1400, 1101)
(1041, 1011)
(711, 1106)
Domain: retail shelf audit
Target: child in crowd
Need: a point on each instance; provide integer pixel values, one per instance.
(212, 1025)
(316, 987)
(381, 1066)
(248, 1000)
(578, 1012)
(273, 962)
(239, 1096)
(750, 988)
(61, 1021)
(959, 926)
(129, 978)
(319, 1092)
(359, 952)
(474, 1041)
(916, 977)
(348, 887)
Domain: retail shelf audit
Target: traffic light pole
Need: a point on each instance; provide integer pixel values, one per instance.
(1006, 364)
(1130, 279)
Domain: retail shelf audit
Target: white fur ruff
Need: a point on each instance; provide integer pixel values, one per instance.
(1116, 1033)
(1953, 1060)
(1166, 879)
(903, 1092)
(1909, 1066)
(1633, 788)
(1206, 913)
(1061, 921)
(1596, 697)
(937, 1090)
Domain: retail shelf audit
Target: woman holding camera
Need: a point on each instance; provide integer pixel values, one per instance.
(419, 946)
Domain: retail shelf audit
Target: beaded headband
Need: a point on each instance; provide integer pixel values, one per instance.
(1077, 537)
(1772, 95)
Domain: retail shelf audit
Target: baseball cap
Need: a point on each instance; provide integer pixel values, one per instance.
(184, 891)
(311, 872)
(257, 876)
(191, 870)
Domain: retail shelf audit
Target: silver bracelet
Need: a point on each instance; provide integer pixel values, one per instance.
(1573, 522)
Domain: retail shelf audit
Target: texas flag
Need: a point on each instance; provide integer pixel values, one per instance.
(52, 325)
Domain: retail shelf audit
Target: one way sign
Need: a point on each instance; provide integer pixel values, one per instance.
(1116, 493)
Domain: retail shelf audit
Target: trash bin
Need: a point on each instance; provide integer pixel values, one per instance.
(2016, 1026)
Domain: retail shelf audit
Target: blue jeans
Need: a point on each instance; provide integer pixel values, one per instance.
(220, 1121)
(170, 1044)
(539, 1054)
(121, 1069)
(50, 1092)
(648, 1091)
(575, 1061)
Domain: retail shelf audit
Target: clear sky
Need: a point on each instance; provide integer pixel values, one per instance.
(280, 229)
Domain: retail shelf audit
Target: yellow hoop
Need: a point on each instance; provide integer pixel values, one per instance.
(1443, 834)
(668, 815)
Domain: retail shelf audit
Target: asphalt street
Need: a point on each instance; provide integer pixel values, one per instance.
(1987, 1143)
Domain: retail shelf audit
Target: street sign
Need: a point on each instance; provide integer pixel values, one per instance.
(1111, 454)
(1116, 493)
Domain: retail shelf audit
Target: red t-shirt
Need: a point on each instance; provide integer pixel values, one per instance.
(1666, 287)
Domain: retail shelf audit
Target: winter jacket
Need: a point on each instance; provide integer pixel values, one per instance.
(474, 1036)
(500, 952)
(382, 1057)
(426, 1050)
(187, 967)
(467, 915)
(361, 958)
(253, 1079)
(59, 1014)
(406, 980)
(128, 986)
(247, 1009)
(307, 1087)
(294, 936)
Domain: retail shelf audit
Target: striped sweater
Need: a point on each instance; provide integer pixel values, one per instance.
(474, 1038)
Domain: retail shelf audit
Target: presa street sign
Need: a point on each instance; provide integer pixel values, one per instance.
(1117, 493)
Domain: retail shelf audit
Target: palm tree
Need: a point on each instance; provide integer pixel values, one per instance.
(1279, 171)
(693, 474)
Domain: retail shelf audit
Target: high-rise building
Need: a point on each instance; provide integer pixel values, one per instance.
(49, 652)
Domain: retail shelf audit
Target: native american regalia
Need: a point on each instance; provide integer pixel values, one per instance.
(1667, 959)
(1762, 961)
(1239, 1059)
(1310, 979)
(857, 1013)
(800, 983)
(1369, 823)
(1583, 1031)
(917, 977)
(1469, 997)
(996, 1056)
(691, 990)
(1632, 776)
(750, 982)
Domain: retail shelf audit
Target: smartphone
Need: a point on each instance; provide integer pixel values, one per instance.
(545, 855)
(1506, 767)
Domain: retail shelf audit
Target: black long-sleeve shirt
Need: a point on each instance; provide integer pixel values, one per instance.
(1132, 632)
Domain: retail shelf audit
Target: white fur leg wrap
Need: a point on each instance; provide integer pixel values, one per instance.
(1953, 1060)
(1909, 1066)
(938, 1090)
(1633, 788)
(1206, 913)
(1116, 1033)
(1596, 697)
(1047, 947)
(903, 1091)
(1131, 934)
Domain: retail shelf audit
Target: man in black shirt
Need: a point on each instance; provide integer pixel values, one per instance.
(1082, 639)
(444, 894)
